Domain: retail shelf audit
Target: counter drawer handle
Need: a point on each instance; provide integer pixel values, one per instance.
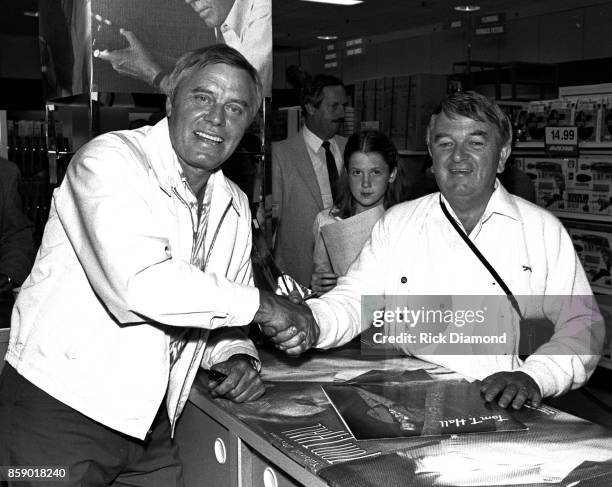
(269, 478)
(220, 452)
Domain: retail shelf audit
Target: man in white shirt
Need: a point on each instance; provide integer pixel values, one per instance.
(304, 169)
(144, 274)
(416, 250)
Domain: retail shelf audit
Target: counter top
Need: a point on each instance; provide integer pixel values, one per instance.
(285, 422)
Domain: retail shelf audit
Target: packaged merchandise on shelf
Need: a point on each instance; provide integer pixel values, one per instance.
(593, 244)
(550, 177)
(537, 118)
(605, 306)
(27, 148)
(519, 124)
(399, 111)
(348, 127)
(559, 113)
(387, 97)
(399, 106)
(605, 120)
(585, 119)
(570, 186)
(369, 100)
(589, 187)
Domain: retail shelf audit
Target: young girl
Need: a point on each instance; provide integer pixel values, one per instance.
(370, 162)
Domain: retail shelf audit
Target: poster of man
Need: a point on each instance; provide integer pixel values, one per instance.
(110, 46)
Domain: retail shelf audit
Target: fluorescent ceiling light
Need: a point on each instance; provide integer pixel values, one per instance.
(327, 38)
(467, 8)
(337, 2)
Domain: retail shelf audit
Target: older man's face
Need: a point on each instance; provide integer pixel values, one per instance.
(326, 119)
(466, 157)
(212, 12)
(207, 117)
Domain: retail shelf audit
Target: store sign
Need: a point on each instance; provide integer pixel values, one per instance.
(453, 24)
(492, 19)
(490, 24)
(561, 140)
(493, 30)
(354, 47)
(353, 42)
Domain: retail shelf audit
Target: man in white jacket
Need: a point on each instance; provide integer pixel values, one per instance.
(415, 250)
(143, 274)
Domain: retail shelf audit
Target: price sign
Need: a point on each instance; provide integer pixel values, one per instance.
(561, 140)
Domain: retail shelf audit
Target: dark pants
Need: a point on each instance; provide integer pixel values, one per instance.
(38, 430)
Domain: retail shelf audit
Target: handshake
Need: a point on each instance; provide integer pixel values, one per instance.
(287, 322)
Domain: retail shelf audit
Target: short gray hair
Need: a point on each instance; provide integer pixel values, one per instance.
(215, 54)
(478, 107)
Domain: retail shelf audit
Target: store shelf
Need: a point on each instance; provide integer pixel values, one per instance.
(601, 289)
(529, 145)
(588, 217)
(538, 145)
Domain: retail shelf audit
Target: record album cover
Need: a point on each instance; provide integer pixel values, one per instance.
(418, 408)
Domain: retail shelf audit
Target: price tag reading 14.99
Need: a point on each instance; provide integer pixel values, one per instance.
(561, 136)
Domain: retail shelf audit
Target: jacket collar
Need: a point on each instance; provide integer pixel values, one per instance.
(236, 19)
(164, 163)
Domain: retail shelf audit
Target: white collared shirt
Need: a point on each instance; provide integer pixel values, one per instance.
(414, 251)
(248, 29)
(319, 163)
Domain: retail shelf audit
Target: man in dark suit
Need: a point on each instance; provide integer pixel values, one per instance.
(16, 244)
(304, 170)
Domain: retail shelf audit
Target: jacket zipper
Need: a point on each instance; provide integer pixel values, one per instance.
(212, 244)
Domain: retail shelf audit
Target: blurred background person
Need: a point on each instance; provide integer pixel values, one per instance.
(305, 171)
(16, 242)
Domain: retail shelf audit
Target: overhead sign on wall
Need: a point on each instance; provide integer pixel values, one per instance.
(490, 24)
(118, 45)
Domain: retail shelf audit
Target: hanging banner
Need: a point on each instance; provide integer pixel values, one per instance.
(123, 45)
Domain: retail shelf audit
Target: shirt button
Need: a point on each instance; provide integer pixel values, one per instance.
(404, 279)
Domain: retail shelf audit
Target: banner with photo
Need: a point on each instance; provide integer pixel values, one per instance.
(123, 45)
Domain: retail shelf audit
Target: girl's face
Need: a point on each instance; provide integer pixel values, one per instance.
(369, 177)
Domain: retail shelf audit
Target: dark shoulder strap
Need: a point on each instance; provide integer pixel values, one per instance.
(482, 258)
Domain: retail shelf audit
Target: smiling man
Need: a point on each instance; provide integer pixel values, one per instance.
(143, 274)
(417, 250)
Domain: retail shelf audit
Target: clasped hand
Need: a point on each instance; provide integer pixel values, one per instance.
(289, 324)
